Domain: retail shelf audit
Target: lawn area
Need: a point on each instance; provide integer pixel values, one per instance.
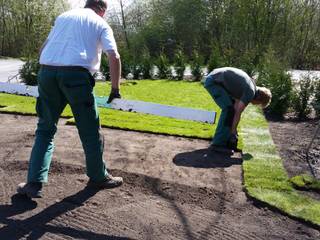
(265, 178)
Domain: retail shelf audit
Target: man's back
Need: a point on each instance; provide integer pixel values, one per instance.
(75, 40)
(236, 82)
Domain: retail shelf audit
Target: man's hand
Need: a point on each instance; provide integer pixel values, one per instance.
(113, 94)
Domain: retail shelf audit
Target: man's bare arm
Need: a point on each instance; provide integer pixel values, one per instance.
(115, 69)
(239, 106)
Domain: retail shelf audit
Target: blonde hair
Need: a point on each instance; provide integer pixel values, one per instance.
(263, 96)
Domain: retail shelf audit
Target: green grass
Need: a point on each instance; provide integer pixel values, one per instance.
(10, 103)
(306, 182)
(265, 178)
(176, 93)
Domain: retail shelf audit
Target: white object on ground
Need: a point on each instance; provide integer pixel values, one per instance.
(19, 89)
(127, 105)
(158, 109)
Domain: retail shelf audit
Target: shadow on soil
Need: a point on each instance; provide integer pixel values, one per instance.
(177, 195)
(36, 226)
(203, 158)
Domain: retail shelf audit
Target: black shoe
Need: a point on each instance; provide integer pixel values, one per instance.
(31, 190)
(108, 182)
(221, 149)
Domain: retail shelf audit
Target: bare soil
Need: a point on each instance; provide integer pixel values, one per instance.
(298, 143)
(174, 189)
(293, 139)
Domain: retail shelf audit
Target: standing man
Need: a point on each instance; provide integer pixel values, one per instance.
(70, 54)
(232, 89)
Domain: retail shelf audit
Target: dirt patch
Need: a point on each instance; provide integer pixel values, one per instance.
(292, 139)
(174, 189)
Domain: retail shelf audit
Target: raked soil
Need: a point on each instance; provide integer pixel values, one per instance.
(174, 189)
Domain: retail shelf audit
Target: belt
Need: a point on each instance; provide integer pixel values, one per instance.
(71, 68)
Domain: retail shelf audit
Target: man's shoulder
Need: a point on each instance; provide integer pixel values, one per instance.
(84, 13)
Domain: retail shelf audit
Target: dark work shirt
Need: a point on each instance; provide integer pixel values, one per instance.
(236, 82)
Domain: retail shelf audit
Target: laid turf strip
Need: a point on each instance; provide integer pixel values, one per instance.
(265, 178)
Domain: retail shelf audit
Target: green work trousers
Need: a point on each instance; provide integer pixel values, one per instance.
(225, 102)
(57, 88)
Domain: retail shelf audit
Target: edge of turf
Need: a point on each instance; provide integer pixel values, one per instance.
(266, 181)
(306, 182)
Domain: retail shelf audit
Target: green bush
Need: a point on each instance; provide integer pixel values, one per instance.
(179, 65)
(29, 72)
(136, 71)
(196, 66)
(215, 60)
(163, 67)
(273, 75)
(146, 64)
(301, 97)
(146, 69)
(316, 99)
(246, 62)
(126, 63)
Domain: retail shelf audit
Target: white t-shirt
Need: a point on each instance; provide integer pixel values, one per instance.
(77, 39)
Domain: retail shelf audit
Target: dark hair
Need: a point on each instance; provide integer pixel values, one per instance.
(99, 5)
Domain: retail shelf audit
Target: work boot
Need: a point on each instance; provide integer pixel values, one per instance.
(108, 182)
(31, 190)
(220, 149)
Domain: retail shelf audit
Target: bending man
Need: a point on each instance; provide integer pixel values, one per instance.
(232, 89)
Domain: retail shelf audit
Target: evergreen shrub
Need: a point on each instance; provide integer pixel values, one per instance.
(301, 97)
(273, 75)
(29, 72)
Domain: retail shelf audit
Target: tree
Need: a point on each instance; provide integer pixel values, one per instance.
(25, 25)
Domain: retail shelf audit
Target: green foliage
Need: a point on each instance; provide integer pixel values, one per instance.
(126, 63)
(316, 99)
(302, 96)
(196, 66)
(104, 67)
(246, 62)
(179, 65)
(136, 71)
(272, 74)
(242, 30)
(215, 59)
(24, 26)
(29, 72)
(146, 65)
(163, 66)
